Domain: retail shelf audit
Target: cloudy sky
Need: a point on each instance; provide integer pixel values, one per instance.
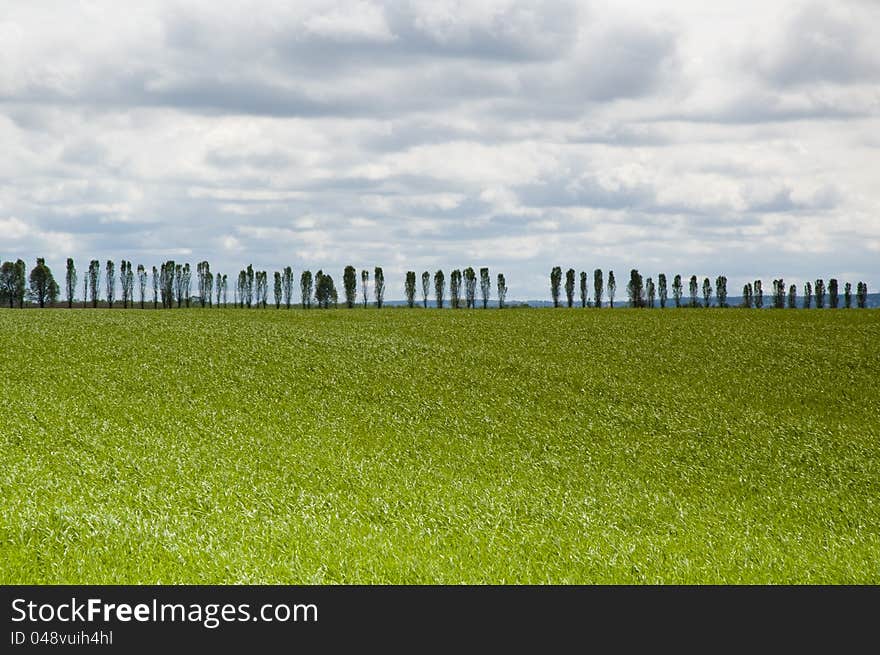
(736, 138)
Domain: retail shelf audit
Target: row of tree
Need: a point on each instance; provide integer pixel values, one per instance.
(645, 293)
(170, 285)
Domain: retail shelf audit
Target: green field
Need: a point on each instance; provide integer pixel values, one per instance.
(412, 446)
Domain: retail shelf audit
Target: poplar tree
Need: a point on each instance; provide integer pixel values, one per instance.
(569, 288)
(470, 287)
(485, 286)
(808, 295)
(502, 290)
(287, 286)
(612, 289)
(409, 288)
(862, 295)
(142, 283)
(155, 279)
(426, 288)
(747, 296)
(94, 281)
(278, 288)
(439, 288)
(650, 292)
(721, 290)
(20, 282)
(792, 297)
(305, 287)
(707, 292)
(111, 283)
(819, 290)
(70, 282)
(635, 289)
(598, 288)
(583, 288)
(661, 289)
(455, 289)
(349, 286)
(677, 290)
(833, 297)
(365, 280)
(847, 295)
(693, 289)
(7, 283)
(758, 292)
(555, 282)
(379, 286)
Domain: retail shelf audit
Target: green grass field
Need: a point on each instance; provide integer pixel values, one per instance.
(411, 446)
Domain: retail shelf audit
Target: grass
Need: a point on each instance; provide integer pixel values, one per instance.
(405, 446)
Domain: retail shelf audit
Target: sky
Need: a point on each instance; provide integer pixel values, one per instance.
(678, 137)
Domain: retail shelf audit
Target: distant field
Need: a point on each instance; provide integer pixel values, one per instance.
(412, 446)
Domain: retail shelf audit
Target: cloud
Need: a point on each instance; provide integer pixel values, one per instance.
(426, 134)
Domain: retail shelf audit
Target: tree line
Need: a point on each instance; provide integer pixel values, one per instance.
(171, 285)
(645, 293)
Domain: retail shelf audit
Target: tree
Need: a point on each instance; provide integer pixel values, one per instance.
(426, 288)
(747, 296)
(7, 283)
(126, 282)
(94, 281)
(555, 281)
(286, 286)
(792, 297)
(862, 295)
(111, 283)
(155, 280)
(70, 282)
(569, 287)
(262, 288)
(325, 290)
(203, 273)
(20, 282)
(365, 281)
(583, 288)
(85, 290)
(439, 286)
(240, 285)
(612, 289)
(707, 292)
(166, 283)
(42, 285)
(808, 295)
(819, 290)
(349, 284)
(677, 290)
(221, 290)
(177, 292)
(378, 286)
(758, 292)
(502, 290)
(485, 286)
(778, 294)
(847, 295)
(409, 289)
(598, 288)
(833, 297)
(693, 288)
(470, 287)
(661, 289)
(721, 290)
(305, 288)
(142, 283)
(455, 288)
(187, 285)
(278, 288)
(635, 289)
(249, 285)
(650, 292)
